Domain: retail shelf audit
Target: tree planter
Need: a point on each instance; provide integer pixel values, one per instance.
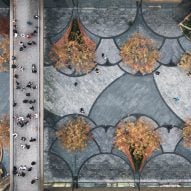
(137, 140)
(74, 134)
(139, 53)
(75, 50)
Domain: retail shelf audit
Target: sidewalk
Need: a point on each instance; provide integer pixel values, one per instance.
(24, 12)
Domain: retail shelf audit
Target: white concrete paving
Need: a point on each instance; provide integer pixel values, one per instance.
(24, 11)
(75, 97)
(174, 83)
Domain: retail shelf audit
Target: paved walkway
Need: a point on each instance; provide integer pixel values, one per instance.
(24, 11)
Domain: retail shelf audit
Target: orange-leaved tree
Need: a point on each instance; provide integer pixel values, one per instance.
(74, 134)
(74, 50)
(137, 140)
(139, 53)
(187, 133)
(185, 62)
(4, 133)
(4, 43)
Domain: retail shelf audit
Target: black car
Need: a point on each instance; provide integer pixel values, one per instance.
(34, 69)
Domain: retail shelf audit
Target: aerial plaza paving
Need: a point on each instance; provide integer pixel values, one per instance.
(115, 81)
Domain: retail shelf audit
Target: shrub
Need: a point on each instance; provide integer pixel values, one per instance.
(139, 53)
(74, 50)
(74, 134)
(187, 134)
(137, 140)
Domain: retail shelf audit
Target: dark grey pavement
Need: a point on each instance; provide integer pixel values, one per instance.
(129, 95)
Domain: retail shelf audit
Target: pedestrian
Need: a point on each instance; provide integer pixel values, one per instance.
(82, 110)
(34, 87)
(29, 23)
(25, 101)
(16, 76)
(28, 116)
(21, 49)
(21, 167)
(32, 101)
(157, 72)
(22, 35)
(14, 104)
(32, 108)
(36, 17)
(97, 70)
(15, 135)
(27, 146)
(33, 181)
(32, 140)
(28, 36)
(34, 69)
(104, 56)
(26, 122)
(29, 85)
(29, 43)
(23, 174)
(29, 168)
(24, 167)
(23, 146)
(189, 73)
(13, 66)
(18, 87)
(20, 118)
(14, 170)
(176, 99)
(33, 163)
(21, 68)
(15, 33)
(23, 138)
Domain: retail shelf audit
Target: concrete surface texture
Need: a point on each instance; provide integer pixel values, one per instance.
(117, 92)
(24, 12)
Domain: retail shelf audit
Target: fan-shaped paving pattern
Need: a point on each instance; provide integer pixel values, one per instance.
(162, 20)
(170, 52)
(56, 169)
(104, 138)
(169, 138)
(131, 94)
(58, 22)
(105, 168)
(169, 167)
(107, 19)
